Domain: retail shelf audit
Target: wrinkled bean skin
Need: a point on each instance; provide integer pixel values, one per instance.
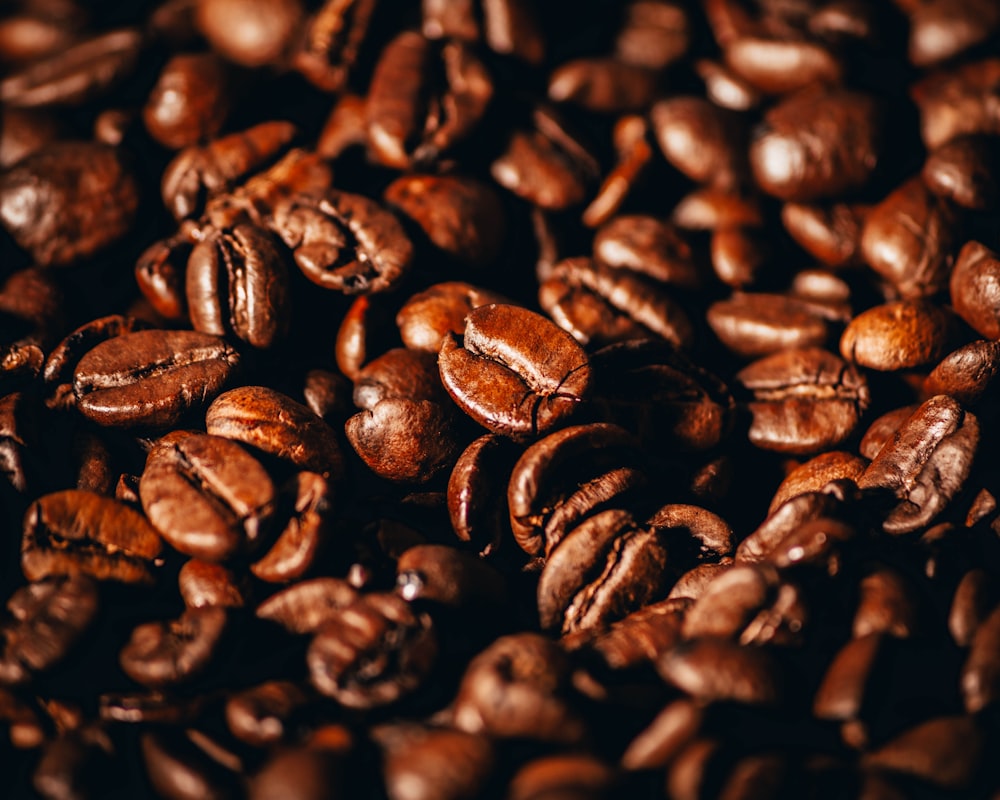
(49, 209)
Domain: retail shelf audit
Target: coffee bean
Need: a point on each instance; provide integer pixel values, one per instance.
(460, 216)
(759, 324)
(925, 464)
(276, 424)
(375, 651)
(333, 37)
(519, 687)
(73, 532)
(64, 358)
(305, 534)
(298, 774)
(713, 670)
(709, 208)
(546, 165)
(817, 144)
(649, 246)
(263, 37)
(190, 101)
(958, 101)
(883, 429)
(658, 744)
(344, 242)
(779, 66)
(25, 131)
(804, 400)
(941, 30)
(68, 201)
(202, 583)
(830, 233)
(164, 654)
(604, 85)
(899, 335)
(976, 595)
(980, 680)
(75, 74)
(965, 171)
(701, 140)
(817, 472)
(177, 768)
(48, 618)
(568, 775)
(151, 378)
(304, 606)
(973, 287)
(236, 283)
(567, 476)
(967, 374)
(653, 34)
(424, 762)
(498, 378)
(428, 317)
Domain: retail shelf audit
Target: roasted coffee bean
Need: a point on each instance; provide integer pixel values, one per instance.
(780, 65)
(709, 208)
(567, 476)
(967, 374)
(263, 715)
(804, 400)
(344, 242)
(398, 374)
(830, 233)
(375, 651)
(237, 283)
(365, 332)
(637, 640)
(886, 604)
(976, 595)
(883, 429)
(305, 534)
(975, 288)
(190, 101)
(701, 140)
(599, 305)
(601, 570)
(426, 319)
(75, 74)
(64, 358)
(159, 274)
(942, 29)
(202, 583)
(164, 654)
(49, 618)
(899, 335)
(345, 128)
(326, 393)
(499, 377)
(197, 174)
(410, 119)
(909, 239)
(150, 707)
(925, 464)
(676, 725)
(817, 144)
(980, 681)
(958, 101)
(817, 472)
(580, 776)
(604, 85)
(944, 751)
(75, 762)
(405, 440)
(298, 774)
(426, 763)
(519, 686)
(546, 165)
(739, 256)
(648, 246)
(724, 87)
(759, 324)
(713, 670)
(635, 154)
(818, 542)
(333, 37)
(710, 535)
(509, 27)
(151, 378)
(477, 500)
(653, 34)
(68, 201)
(263, 36)
(18, 432)
(305, 606)
(178, 769)
(965, 171)
(206, 496)
(276, 424)
(460, 216)
(73, 532)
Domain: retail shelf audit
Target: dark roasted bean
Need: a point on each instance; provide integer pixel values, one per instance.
(162, 654)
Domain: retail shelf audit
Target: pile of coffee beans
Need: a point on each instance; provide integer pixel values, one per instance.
(502, 399)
